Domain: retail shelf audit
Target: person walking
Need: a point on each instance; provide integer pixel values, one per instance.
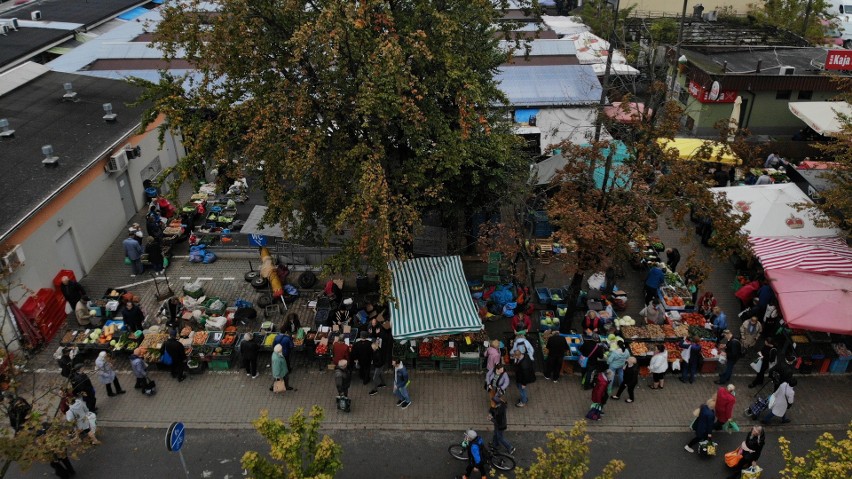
(249, 350)
(497, 415)
(725, 401)
(556, 348)
(342, 378)
(497, 382)
(140, 369)
(600, 388)
(400, 384)
(475, 455)
(106, 375)
(733, 353)
(68, 360)
(492, 355)
(377, 364)
(616, 360)
(630, 378)
(82, 417)
(785, 395)
(592, 350)
(768, 356)
(703, 425)
(177, 355)
(524, 375)
(750, 332)
(658, 367)
(362, 354)
(19, 410)
(279, 368)
(62, 467)
(133, 251)
(154, 250)
(691, 356)
(72, 291)
(750, 449)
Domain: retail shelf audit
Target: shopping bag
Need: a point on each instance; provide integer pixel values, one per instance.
(166, 358)
(93, 421)
(279, 387)
(757, 364)
(733, 458)
(707, 448)
(127, 261)
(733, 426)
(771, 401)
(752, 472)
(583, 361)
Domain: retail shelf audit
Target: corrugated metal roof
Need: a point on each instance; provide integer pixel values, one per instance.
(559, 85)
(540, 47)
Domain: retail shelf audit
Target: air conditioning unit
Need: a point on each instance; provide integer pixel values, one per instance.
(786, 70)
(117, 163)
(12, 23)
(13, 259)
(4, 30)
(36, 15)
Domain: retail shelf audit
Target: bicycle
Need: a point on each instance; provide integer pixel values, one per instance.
(499, 460)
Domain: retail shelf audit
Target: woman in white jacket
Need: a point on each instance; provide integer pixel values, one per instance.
(658, 367)
(83, 418)
(784, 397)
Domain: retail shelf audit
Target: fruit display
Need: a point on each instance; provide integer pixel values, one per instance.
(707, 348)
(425, 349)
(442, 350)
(697, 331)
(654, 332)
(185, 332)
(154, 341)
(638, 348)
(673, 350)
(668, 330)
(625, 321)
(681, 331)
(322, 349)
(693, 319)
(633, 331)
(200, 337)
(229, 339)
(674, 301)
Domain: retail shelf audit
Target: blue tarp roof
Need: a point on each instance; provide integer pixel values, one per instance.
(545, 170)
(556, 85)
(136, 12)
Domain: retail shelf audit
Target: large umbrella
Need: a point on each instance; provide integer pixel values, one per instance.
(735, 117)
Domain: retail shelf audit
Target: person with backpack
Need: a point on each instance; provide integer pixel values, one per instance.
(521, 344)
(524, 375)
(497, 415)
(476, 452)
(400, 384)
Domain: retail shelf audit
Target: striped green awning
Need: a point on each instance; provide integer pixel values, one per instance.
(432, 298)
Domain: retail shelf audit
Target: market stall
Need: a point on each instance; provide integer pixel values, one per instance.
(773, 210)
(824, 117)
(692, 149)
(816, 255)
(814, 301)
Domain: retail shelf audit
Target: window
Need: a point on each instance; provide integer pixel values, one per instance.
(783, 94)
(805, 94)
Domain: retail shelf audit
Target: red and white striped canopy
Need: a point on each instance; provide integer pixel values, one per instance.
(817, 255)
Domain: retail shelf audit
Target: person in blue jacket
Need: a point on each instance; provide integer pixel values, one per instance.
(475, 456)
(653, 281)
(703, 425)
(720, 322)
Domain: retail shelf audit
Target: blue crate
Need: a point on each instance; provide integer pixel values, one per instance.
(839, 365)
(543, 295)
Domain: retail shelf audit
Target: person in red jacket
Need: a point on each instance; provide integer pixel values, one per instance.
(725, 401)
(600, 388)
(339, 351)
(747, 293)
(521, 322)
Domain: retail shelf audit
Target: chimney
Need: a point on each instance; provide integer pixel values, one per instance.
(6, 131)
(70, 94)
(109, 117)
(49, 159)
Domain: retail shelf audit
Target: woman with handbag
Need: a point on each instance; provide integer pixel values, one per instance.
(703, 425)
(279, 370)
(747, 454)
(767, 358)
(106, 374)
(84, 420)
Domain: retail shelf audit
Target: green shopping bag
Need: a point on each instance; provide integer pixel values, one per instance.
(731, 426)
(127, 261)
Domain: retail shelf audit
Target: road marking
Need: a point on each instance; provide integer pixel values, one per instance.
(228, 279)
(182, 256)
(183, 278)
(126, 286)
(204, 279)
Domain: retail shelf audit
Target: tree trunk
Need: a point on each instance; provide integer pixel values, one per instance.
(571, 297)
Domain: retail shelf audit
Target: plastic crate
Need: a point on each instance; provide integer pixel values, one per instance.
(194, 294)
(219, 364)
(543, 295)
(839, 365)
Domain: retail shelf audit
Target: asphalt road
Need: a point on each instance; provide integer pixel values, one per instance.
(128, 452)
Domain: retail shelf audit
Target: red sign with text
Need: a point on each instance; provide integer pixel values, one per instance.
(705, 95)
(838, 60)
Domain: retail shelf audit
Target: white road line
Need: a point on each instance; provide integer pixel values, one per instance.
(180, 256)
(205, 279)
(184, 278)
(126, 286)
(228, 279)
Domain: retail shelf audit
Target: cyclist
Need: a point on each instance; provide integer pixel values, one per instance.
(475, 454)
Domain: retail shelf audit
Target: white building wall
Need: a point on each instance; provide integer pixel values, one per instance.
(574, 124)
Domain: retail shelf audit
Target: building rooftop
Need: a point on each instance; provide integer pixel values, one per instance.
(559, 85)
(60, 20)
(744, 60)
(539, 47)
(76, 130)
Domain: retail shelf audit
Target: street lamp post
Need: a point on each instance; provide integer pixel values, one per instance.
(677, 50)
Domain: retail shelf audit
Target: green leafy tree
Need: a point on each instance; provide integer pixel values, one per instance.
(567, 457)
(301, 453)
(829, 459)
(803, 17)
(361, 116)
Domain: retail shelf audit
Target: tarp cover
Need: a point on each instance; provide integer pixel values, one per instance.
(688, 148)
(432, 298)
(773, 211)
(813, 301)
(817, 255)
(543, 172)
(822, 116)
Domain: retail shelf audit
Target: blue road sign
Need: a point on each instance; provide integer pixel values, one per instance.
(257, 240)
(175, 437)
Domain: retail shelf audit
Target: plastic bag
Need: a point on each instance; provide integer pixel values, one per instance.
(192, 287)
(217, 305)
(209, 257)
(752, 472)
(676, 366)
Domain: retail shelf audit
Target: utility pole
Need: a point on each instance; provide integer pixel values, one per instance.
(807, 18)
(677, 49)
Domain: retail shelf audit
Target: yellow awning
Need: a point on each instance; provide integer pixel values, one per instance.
(688, 147)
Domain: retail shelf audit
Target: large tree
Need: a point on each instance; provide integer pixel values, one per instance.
(830, 458)
(803, 17)
(362, 116)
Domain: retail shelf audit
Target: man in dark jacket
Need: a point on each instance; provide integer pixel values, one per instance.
(673, 257)
(593, 351)
(19, 409)
(498, 417)
(556, 347)
(524, 374)
(362, 353)
(783, 371)
(377, 364)
(249, 350)
(132, 316)
(71, 291)
(178, 355)
(733, 353)
(66, 363)
(80, 383)
(342, 378)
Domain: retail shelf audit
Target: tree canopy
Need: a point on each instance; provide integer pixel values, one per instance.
(360, 116)
(831, 458)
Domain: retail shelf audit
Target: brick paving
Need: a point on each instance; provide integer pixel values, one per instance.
(441, 400)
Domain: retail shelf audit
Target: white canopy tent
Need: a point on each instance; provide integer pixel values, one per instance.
(822, 116)
(773, 212)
